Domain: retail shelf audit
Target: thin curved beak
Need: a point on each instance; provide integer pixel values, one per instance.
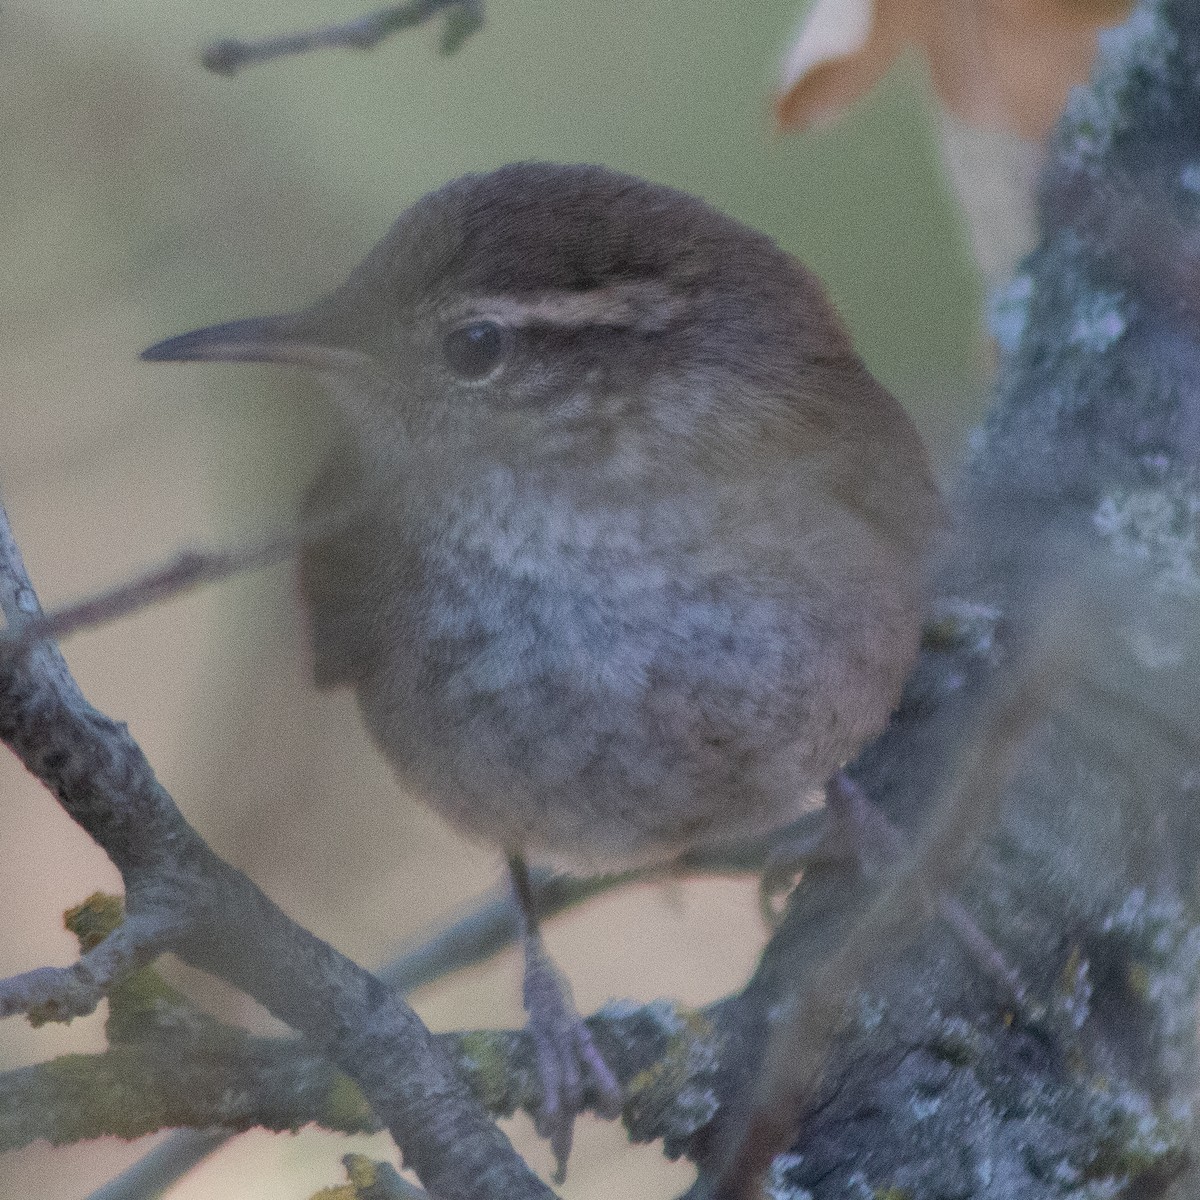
(301, 338)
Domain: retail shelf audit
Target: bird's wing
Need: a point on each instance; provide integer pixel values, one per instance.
(334, 572)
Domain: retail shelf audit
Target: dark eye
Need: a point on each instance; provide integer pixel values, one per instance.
(475, 350)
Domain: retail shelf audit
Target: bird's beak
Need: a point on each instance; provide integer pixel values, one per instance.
(303, 338)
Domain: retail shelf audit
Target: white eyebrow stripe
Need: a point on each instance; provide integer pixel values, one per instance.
(647, 306)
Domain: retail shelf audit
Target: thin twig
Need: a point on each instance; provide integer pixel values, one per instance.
(188, 570)
(160, 1168)
(463, 18)
(60, 993)
(489, 927)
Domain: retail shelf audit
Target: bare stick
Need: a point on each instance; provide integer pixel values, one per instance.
(463, 18)
(60, 993)
(159, 1168)
(188, 570)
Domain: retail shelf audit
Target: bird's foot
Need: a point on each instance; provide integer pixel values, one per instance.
(570, 1067)
(858, 834)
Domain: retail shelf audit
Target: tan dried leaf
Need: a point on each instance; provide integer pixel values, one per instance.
(997, 64)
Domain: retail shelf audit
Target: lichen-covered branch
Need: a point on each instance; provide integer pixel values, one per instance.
(799, 1045)
(652, 1110)
(1081, 500)
(224, 924)
(169, 1064)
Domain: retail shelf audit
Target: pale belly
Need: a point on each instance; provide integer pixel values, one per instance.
(586, 706)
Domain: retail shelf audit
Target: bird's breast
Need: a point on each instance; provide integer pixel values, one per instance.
(604, 682)
(607, 601)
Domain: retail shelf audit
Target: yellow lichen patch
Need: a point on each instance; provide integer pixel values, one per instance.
(135, 998)
(139, 1001)
(363, 1171)
(657, 1087)
(366, 1178)
(698, 1025)
(1069, 975)
(98, 1095)
(93, 920)
(1138, 978)
(483, 1056)
(346, 1108)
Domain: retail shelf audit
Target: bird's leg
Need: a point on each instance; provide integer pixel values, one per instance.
(860, 833)
(567, 1057)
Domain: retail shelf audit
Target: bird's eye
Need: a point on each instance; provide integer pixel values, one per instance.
(475, 350)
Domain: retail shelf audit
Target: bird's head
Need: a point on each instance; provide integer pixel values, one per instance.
(607, 336)
(553, 316)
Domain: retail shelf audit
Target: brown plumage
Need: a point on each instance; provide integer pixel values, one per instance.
(642, 566)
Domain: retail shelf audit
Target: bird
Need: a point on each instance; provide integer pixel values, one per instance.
(639, 559)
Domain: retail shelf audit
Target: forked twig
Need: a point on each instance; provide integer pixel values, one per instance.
(463, 18)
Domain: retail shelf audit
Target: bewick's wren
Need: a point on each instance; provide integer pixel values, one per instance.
(642, 566)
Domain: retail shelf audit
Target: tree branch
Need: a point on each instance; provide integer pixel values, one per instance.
(471, 939)
(169, 1064)
(462, 19)
(226, 925)
(928, 1082)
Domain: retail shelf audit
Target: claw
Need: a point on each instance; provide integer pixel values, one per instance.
(567, 1057)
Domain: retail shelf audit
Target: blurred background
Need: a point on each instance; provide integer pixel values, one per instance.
(142, 196)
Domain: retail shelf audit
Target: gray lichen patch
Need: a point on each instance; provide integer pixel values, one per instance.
(1140, 1142)
(1156, 526)
(1162, 947)
(1134, 60)
(1100, 321)
(1080, 1102)
(964, 625)
(779, 1184)
(1008, 312)
(675, 1096)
